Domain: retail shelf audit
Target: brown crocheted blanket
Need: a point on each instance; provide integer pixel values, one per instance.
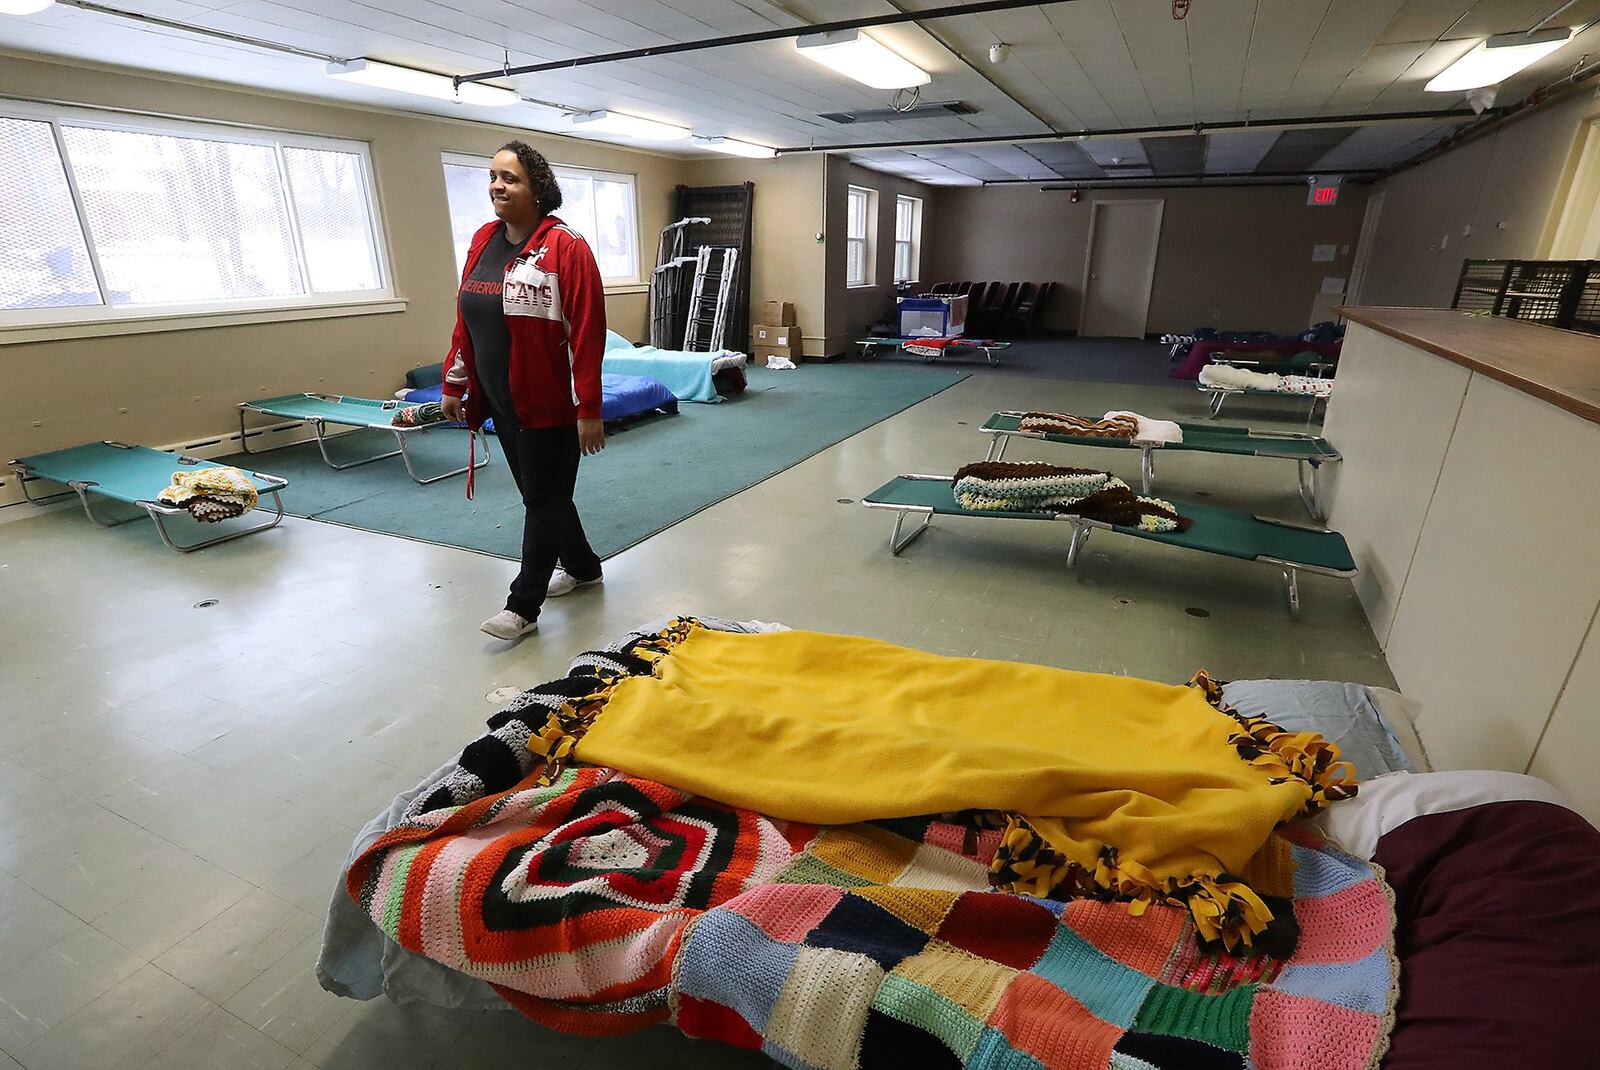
(1063, 423)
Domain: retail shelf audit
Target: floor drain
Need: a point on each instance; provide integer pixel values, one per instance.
(1196, 611)
(845, 501)
(205, 603)
(1124, 600)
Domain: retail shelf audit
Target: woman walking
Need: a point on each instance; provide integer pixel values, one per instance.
(530, 330)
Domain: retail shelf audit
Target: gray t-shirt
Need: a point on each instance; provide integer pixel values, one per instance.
(485, 318)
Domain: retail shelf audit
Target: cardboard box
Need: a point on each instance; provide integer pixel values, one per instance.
(780, 313)
(768, 339)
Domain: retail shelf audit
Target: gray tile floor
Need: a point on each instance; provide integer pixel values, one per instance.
(178, 786)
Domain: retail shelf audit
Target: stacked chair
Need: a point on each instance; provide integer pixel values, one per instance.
(1000, 309)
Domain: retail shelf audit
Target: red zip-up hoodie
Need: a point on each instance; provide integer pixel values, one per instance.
(555, 308)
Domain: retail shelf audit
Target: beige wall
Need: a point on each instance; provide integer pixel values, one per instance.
(787, 260)
(179, 386)
(853, 309)
(1501, 188)
(1232, 258)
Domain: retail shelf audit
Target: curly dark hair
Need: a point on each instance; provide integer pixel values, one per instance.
(546, 190)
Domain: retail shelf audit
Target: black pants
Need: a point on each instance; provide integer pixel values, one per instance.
(544, 463)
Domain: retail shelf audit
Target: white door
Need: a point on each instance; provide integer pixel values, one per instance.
(1369, 233)
(1123, 236)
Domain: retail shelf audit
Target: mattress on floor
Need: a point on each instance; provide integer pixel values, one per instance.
(622, 397)
(690, 376)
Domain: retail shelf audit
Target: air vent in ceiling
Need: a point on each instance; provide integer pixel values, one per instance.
(928, 109)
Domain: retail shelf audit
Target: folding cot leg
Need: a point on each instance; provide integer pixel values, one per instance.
(244, 436)
(1310, 486)
(88, 509)
(23, 479)
(1147, 469)
(405, 455)
(1291, 586)
(1080, 535)
(157, 515)
(318, 426)
(1215, 404)
(896, 541)
(997, 447)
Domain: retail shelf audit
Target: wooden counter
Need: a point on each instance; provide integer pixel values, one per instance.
(1561, 367)
(1470, 497)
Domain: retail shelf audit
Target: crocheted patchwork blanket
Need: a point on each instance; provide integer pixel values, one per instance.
(875, 948)
(1037, 487)
(212, 494)
(603, 903)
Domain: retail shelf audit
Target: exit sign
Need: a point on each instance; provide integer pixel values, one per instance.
(1323, 191)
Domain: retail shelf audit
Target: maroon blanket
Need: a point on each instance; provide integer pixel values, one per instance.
(1498, 934)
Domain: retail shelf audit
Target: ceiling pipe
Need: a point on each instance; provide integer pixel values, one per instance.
(202, 31)
(1236, 183)
(1111, 181)
(782, 33)
(1149, 131)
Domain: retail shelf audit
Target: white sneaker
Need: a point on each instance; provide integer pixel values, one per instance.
(563, 582)
(508, 626)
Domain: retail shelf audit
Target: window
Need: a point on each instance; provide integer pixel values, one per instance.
(600, 205)
(907, 237)
(108, 217)
(860, 215)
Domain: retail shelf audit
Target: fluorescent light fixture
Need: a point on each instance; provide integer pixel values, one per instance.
(868, 61)
(1498, 58)
(23, 7)
(736, 148)
(614, 122)
(421, 83)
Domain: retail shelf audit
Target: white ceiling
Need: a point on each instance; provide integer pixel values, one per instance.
(1097, 65)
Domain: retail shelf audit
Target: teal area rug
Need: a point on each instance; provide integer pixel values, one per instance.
(650, 476)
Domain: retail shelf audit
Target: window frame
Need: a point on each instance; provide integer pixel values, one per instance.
(34, 324)
(913, 244)
(610, 283)
(869, 220)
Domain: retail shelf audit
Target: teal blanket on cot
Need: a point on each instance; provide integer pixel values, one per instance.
(687, 375)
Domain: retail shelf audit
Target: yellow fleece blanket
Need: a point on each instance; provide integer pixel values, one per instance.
(1107, 786)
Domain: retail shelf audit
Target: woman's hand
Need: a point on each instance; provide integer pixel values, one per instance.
(452, 408)
(591, 436)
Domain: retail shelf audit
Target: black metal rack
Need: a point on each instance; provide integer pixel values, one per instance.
(729, 209)
(1556, 293)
